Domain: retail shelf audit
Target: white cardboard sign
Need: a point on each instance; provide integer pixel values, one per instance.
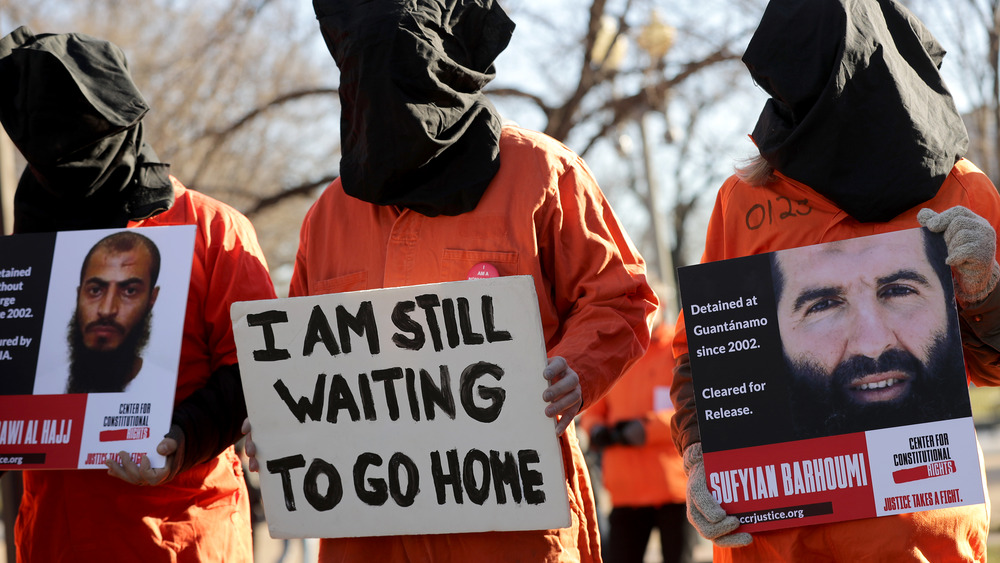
(411, 410)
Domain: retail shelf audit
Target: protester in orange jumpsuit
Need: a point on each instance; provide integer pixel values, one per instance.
(433, 189)
(860, 137)
(640, 467)
(70, 106)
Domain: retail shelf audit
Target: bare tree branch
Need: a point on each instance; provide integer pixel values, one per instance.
(515, 93)
(217, 136)
(301, 189)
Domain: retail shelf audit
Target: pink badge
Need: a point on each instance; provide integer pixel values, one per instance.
(483, 270)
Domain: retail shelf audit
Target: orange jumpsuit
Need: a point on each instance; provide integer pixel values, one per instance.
(203, 513)
(784, 214)
(542, 215)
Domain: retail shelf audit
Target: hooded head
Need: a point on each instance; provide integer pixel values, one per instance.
(858, 109)
(68, 103)
(416, 129)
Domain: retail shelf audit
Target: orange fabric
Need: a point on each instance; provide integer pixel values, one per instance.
(542, 215)
(947, 534)
(784, 214)
(651, 474)
(203, 514)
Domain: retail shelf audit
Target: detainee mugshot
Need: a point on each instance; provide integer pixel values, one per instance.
(114, 307)
(869, 333)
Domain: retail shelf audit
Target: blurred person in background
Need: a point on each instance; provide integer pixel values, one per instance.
(640, 467)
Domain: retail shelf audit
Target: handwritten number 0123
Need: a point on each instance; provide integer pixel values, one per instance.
(758, 214)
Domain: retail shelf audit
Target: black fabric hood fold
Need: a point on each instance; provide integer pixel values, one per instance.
(858, 110)
(416, 129)
(68, 103)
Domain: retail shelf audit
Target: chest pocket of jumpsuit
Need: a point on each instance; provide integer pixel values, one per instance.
(457, 263)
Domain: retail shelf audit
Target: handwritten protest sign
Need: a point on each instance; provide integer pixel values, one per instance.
(411, 410)
(829, 382)
(82, 376)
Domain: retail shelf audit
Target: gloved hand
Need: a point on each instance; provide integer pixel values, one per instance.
(972, 245)
(704, 512)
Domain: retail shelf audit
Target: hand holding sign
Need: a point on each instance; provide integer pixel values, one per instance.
(564, 395)
(704, 512)
(141, 474)
(249, 447)
(971, 244)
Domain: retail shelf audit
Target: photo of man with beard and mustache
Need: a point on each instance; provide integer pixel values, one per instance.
(114, 305)
(869, 333)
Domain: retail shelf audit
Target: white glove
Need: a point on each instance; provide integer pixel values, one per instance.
(972, 245)
(703, 511)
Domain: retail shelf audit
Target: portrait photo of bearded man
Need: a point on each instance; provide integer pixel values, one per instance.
(114, 305)
(869, 333)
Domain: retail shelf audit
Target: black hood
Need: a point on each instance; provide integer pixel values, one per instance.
(68, 103)
(858, 109)
(416, 129)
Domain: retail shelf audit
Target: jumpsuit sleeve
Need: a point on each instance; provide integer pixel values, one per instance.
(684, 424)
(598, 283)
(235, 270)
(980, 325)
